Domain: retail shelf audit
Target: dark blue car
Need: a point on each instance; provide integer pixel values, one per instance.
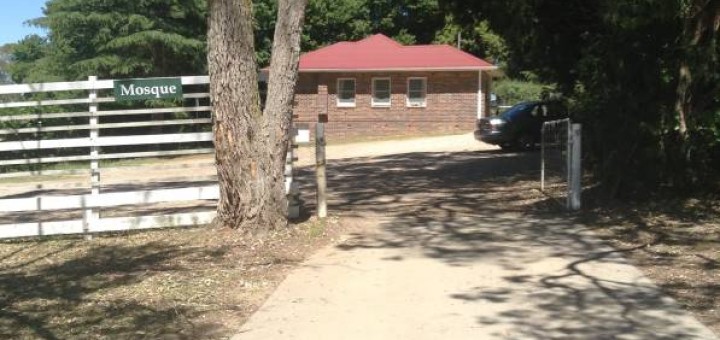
(520, 126)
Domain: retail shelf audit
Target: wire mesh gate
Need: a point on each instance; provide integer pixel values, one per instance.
(560, 165)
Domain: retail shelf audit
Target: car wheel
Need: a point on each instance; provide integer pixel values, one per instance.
(526, 142)
(507, 146)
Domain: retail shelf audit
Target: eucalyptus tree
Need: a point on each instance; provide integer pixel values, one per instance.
(251, 143)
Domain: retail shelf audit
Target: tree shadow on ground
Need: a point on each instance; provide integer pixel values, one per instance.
(484, 207)
(679, 240)
(91, 294)
(442, 183)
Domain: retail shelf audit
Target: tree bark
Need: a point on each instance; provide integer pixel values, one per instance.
(700, 32)
(683, 98)
(251, 145)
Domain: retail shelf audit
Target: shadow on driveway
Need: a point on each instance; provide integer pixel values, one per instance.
(550, 278)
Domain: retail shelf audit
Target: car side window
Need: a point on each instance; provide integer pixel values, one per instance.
(537, 111)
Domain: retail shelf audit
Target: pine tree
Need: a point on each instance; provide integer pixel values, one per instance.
(117, 38)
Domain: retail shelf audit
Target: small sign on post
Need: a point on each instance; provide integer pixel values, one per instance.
(141, 89)
(303, 133)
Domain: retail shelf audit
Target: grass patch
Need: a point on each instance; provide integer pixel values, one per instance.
(318, 227)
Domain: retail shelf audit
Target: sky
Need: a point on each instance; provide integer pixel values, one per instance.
(13, 14)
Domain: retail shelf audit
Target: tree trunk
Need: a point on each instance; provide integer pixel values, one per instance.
(251, 145)
(682, 100)
(699, 34)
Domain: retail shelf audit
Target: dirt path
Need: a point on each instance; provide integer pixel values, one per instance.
(457, 244)
(453, 143)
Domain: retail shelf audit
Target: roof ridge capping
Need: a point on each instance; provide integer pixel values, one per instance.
(379, 38)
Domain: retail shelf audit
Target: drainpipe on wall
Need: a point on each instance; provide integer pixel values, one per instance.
(480, 96)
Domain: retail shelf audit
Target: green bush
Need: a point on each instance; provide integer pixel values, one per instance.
(511, 91)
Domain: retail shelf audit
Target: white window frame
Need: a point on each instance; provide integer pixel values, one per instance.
(410, 103)
(372, 90)
(337, 95)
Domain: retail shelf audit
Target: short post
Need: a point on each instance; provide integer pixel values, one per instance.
(320, 161)
(92, 214)
(576, 167)
(542, 158)
(291, 188)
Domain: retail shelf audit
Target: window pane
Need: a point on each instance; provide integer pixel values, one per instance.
(382, 85)
(346, 91)
(346, 95)
(347, 85)
(381, 90)
(416, 90)
(417, 85)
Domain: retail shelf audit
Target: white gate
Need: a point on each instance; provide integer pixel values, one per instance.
(560, 165)
(82, 162)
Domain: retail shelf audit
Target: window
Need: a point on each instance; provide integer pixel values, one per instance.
(381, 92)
(416, 92)
(346, 92)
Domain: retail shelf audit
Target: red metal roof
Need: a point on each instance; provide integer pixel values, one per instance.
(380, 53)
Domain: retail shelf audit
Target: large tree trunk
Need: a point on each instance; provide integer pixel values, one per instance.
(250, 145)
(699, 35)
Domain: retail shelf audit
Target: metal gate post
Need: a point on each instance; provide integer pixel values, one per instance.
(574, 197)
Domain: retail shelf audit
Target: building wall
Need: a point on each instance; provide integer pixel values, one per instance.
(451, 104)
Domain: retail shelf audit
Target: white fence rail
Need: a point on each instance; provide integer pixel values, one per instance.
(51, 179)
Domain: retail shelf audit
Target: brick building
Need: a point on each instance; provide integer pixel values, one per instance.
(376, 87)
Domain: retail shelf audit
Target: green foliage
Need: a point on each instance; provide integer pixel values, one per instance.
(5, 61)
(541, 35)
(328, 22)
(515, 91)
(117, 38)
(476, 38)
(332, 21)
(29, 61)
(618, 62)
(113, 39)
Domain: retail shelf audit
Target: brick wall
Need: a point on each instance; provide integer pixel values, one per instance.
(451, 104)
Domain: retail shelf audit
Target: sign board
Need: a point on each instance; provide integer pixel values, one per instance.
(151, 88)
(302, 133)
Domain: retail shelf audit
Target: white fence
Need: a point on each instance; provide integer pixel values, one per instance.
(51, 152)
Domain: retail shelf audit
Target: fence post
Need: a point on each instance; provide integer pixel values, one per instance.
(291, 188)
(320, 161)
(542, 158)
(575, 168)
(92, 214)
(568, 163)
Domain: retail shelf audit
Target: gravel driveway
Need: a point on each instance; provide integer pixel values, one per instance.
(452, 143)
(457, 243)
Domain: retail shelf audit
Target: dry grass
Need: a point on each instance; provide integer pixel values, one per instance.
(679, 242)
(173, 284)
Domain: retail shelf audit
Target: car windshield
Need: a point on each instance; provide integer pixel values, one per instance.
(515, 111)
